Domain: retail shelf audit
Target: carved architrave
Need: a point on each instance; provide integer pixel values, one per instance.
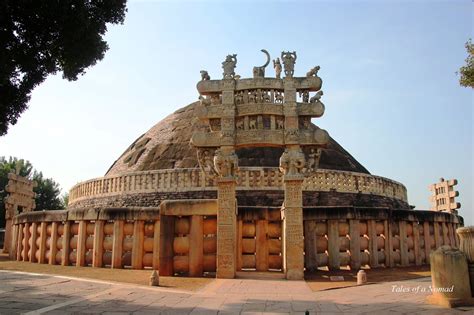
(227, 123)
(290, 95)
(227, 97)
(228, 84)
(256, 109)
(313, 137)
(280, 122)
(311, 109)
(292, 135)
(240, 123)
(227, 137)
(261, 112)
(305, 123)
(256, 137)
(210, 111)
(215, 124)
(20, 195)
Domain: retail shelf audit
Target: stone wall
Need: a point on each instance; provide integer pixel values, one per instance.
(261, 198)
(130, 237)
(138, 188)
(356, 237)
(148, 199)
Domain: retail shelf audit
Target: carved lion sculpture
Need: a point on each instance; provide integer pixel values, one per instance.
(316, 97)
(313, 72)
(204, 75)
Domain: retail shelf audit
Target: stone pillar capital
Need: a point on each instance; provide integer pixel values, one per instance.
(466, 245)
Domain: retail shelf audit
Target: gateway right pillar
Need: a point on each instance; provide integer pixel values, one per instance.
(302, 142)
(293, 248)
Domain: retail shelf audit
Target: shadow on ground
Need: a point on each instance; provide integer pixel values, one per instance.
(321, 279)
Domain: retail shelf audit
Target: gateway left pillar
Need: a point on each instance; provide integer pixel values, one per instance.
(226, 228)
(293, 250)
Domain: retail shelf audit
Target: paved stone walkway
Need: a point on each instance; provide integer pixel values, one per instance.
(22, 293)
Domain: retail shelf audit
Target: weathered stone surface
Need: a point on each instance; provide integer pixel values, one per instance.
(21, 198)
(260, 198)
(449, 274)
(466, 245)
(189, 207)
(168, 147)
(443, 196)
(246, 198)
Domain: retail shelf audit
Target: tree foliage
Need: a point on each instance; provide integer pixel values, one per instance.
(47, 190)
(43, 37)
(47, 193)
(467, 71)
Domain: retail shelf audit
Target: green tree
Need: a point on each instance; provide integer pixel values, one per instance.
(47, 193)
(467, 71)
(65, 200)
(43, 37)
(47, 190)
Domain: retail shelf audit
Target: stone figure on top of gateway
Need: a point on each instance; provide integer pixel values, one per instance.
(259, 72)
(229, 66)
(277, 67)
(289, 59)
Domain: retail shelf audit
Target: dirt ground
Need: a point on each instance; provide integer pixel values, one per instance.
(317, 280)
(320, 280)
(140, 277)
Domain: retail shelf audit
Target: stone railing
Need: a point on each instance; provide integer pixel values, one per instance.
(116, 238)
(248, 178)
(182, 240)
(356, 237)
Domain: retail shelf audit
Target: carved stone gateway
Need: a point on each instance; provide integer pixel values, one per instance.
(443, 196)
(254, 113)
(20, 199)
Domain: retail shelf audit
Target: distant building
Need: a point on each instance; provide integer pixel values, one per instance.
(443, 198)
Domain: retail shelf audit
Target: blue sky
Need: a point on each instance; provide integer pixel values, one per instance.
(388, 67)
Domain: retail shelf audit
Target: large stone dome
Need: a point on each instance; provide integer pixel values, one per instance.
(166, 146)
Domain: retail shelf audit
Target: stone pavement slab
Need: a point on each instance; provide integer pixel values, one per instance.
(22, 293)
